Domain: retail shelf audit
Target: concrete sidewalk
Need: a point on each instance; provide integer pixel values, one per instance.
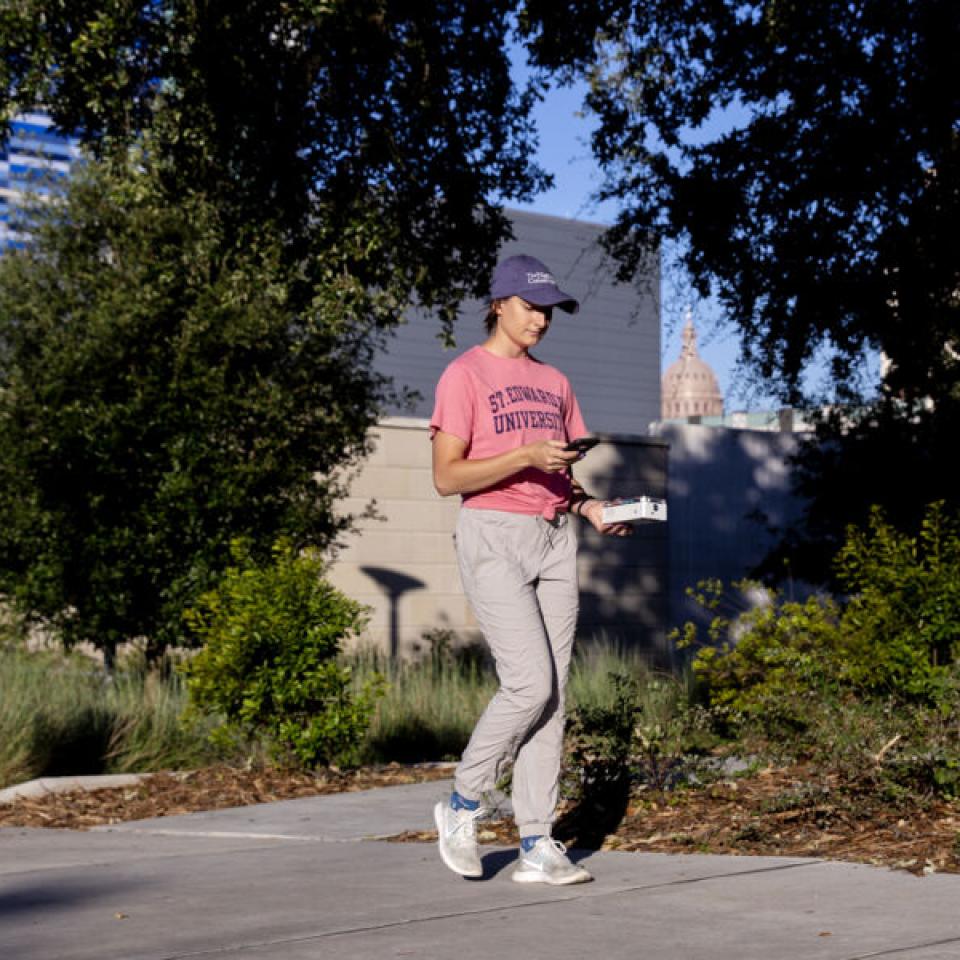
(301, 879)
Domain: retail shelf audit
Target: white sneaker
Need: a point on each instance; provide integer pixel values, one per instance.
(547, 862)
(457, 838)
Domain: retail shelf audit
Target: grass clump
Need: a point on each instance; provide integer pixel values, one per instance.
(430, 703)
(64, 715)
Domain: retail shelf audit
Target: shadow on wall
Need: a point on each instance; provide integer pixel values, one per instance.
(394, 584)
(623, 581)
(632, 589)
(721, 482)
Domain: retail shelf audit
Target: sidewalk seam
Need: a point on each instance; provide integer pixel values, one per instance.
(893, 951)
(499, 908)
(232, 835)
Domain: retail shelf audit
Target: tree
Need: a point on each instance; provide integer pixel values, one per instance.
(309, 113)
(162, 391)
(808, 154)
(185, 349)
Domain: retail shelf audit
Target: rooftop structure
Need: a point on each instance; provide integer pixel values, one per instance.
(782, 420)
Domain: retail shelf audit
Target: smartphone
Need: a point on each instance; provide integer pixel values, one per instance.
(582, 445)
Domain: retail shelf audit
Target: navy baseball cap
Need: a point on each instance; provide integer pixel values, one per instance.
(530, 279)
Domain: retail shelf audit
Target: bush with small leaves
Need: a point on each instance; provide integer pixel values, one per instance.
(271, 635)
(867, 685)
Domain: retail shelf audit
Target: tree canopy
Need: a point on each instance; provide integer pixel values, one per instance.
(806, 159)
(162, 392)
(186, 344)
(807, 154)
(307, 113)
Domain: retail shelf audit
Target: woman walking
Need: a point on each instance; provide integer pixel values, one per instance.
(499, 431)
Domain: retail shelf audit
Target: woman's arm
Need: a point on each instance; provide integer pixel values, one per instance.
(578, 496)
(453, 473)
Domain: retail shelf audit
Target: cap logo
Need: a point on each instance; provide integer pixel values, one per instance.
(541, 277)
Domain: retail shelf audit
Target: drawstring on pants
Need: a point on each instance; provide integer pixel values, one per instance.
(551, 525)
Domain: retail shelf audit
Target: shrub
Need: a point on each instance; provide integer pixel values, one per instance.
(901, 627)
(777, 660)
(271, 635)
(896, 634)
(867, 685)
(600, 737)
(646, 733)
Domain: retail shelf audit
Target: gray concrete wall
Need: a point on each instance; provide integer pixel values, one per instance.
(718, 479)
(610, 350)
(403, 565)
(632, 590)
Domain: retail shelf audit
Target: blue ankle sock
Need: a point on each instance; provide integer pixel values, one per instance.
(458, 802)
(528, 843)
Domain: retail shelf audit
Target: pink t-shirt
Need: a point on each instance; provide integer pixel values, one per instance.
(495, 404)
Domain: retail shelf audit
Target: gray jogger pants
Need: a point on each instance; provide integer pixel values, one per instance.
(519, 573)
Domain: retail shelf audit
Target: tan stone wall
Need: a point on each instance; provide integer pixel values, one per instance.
(402, 565)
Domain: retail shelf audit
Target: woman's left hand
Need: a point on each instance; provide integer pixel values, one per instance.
(593, 511)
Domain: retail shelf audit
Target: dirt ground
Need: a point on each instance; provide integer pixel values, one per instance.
(781, 812)
(776, 812)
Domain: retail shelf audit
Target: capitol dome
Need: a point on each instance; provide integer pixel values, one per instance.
(690, 387)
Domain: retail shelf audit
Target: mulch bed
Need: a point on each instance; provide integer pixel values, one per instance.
(776, 812)
(210, 788)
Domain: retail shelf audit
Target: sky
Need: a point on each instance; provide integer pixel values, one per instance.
(564, 151)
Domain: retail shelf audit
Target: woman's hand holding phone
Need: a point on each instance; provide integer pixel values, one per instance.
(551, 456)
(555, 455)
(582, 444)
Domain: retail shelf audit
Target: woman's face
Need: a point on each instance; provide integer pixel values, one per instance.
(524, 324)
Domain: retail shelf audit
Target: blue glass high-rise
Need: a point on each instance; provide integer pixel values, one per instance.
(33, 159)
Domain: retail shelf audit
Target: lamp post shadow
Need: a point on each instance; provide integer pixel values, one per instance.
(395, 585)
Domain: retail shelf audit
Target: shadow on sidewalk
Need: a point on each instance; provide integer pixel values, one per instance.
(495, 862)
(598, 814)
